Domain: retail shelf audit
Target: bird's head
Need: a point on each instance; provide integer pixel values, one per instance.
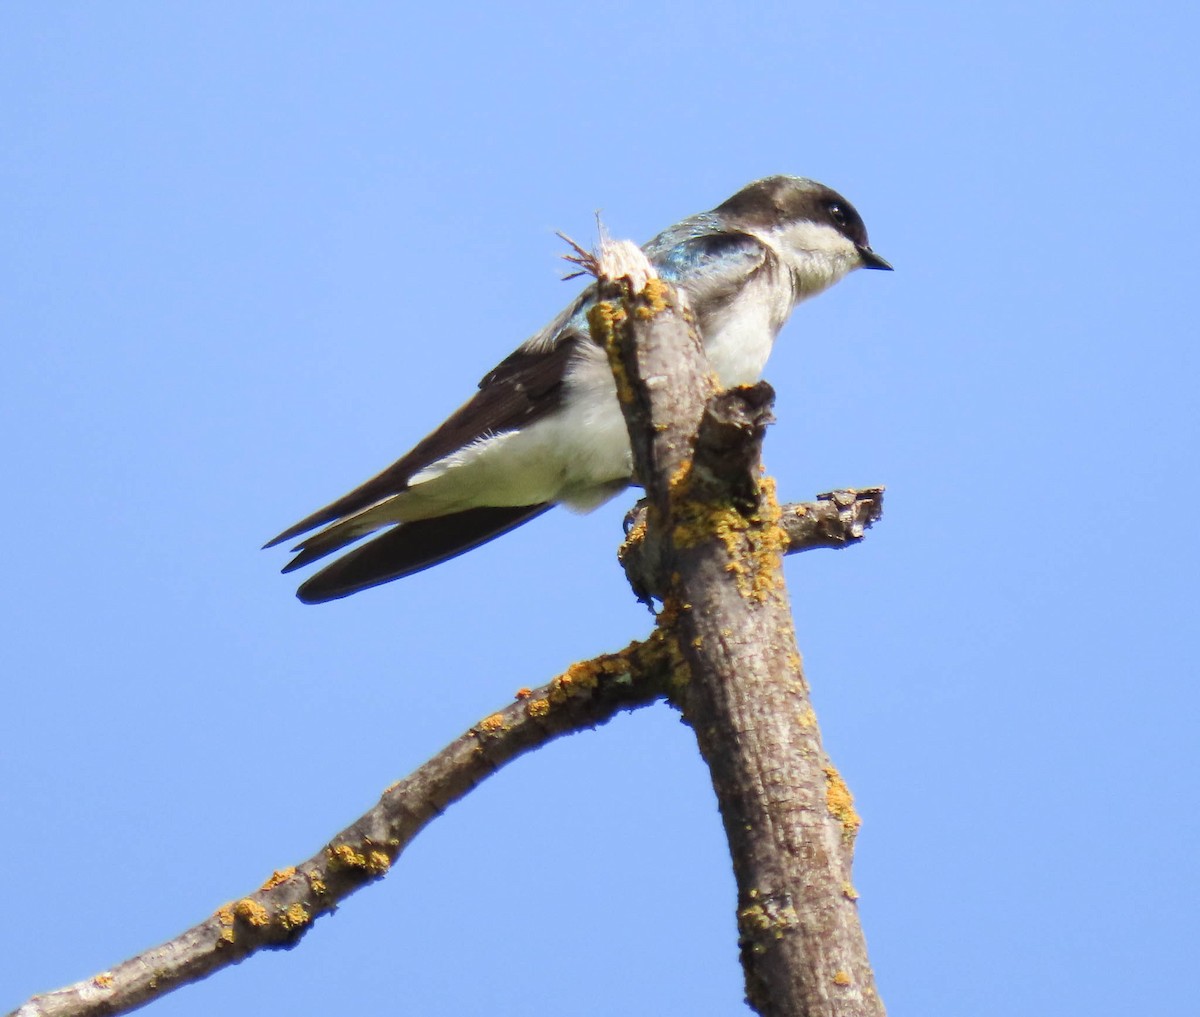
(816, 232)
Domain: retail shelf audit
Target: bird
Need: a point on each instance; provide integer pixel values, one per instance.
(545, 427)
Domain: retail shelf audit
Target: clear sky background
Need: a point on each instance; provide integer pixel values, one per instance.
(252, 252)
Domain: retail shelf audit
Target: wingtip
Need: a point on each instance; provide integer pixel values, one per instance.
(408, 549)
(308, 597)
(286, 535)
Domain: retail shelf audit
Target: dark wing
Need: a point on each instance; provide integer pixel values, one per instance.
(411, 547)
(523, 388)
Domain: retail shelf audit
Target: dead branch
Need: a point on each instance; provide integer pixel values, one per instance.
(788, 815)
(284, 908)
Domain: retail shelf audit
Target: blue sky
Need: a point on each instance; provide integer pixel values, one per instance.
(252, 252)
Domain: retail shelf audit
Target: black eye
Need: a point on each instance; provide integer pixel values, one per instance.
(837, 213)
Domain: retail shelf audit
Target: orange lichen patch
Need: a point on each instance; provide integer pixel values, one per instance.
(524, 693)
(251, 912)
(768, 542)
(103, 980)
(538, 707)
(374, 861)
(635, 536)
(604, 321)
(582, 676)
(806, 717)
(754, 543)
(225, 915)
(378, 861)
(849, 892)
(316, 882)
(678, 481)
(279, 876)
(842, 978)
(840, 802)
(294, 917)
(656, 296)
(492, 724)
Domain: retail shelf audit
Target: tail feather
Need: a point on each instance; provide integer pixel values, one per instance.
(335, 537)
(409, 548)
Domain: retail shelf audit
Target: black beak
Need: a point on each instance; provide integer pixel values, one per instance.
(872, 260)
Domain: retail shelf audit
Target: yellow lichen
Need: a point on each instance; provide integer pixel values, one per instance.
(538, 707)
(582, 676)
(227, 919)
(754, 543)
(374, 861)
(840, 802)
(768, 542)
(754, 918)
(104, 980)
(492, 724)
(849, 892)
(655, 294)
(316, 882)
(523, 693)
(294, 917)
(251, 912)
(766, 916)
(279, 876)
(677, 482)
(841, 978)
(635, 536)
(604, 321)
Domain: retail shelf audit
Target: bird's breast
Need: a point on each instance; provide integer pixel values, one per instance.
(738, 336)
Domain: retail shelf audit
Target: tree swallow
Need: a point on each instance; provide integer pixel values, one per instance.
(545, 427)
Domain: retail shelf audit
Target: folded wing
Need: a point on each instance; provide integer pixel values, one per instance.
(525, 387)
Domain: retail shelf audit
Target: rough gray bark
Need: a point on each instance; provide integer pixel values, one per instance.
(788, 815)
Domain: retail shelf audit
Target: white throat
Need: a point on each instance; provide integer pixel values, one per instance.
(817, 255)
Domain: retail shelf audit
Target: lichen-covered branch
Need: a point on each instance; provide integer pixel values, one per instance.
(718, 539)
(835, 519)
(282, 910)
